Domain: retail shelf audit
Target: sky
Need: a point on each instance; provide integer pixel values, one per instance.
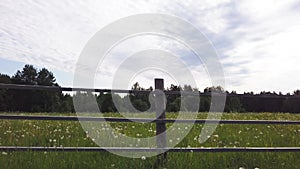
(257, 41)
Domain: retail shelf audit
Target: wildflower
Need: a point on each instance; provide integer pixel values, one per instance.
(143, 158)
(4, 153)
(216, 135)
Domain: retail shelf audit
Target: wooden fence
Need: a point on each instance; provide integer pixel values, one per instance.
(160, 125)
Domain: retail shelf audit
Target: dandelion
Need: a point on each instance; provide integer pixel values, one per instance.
(4, 153)
(143, 158)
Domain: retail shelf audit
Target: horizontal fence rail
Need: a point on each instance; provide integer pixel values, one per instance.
(74, 89)
(145, 120)
(147, 149)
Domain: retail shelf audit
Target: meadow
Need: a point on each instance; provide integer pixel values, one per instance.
(70, 133)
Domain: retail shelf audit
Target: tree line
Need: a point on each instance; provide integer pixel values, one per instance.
(18, 100)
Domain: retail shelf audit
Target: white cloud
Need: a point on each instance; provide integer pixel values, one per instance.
(257, 40)
(264, 45)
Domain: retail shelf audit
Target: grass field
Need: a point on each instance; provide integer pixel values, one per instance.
(70, 133)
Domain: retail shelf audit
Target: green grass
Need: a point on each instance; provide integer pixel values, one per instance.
(70, 133)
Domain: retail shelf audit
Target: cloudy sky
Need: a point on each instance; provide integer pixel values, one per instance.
(258, 41)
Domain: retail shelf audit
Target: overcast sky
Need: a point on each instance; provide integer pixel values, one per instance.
(258, 41)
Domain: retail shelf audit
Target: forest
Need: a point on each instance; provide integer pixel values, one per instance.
(16, 100)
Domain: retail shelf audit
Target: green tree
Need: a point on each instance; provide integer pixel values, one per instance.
(5, 98)
(24, 100)
(108, 101)
(205, 102)
(34, 100)
(233, 104)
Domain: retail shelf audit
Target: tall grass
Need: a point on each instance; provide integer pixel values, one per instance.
(70, 133)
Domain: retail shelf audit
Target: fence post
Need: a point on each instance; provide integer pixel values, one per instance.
(160, 114)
